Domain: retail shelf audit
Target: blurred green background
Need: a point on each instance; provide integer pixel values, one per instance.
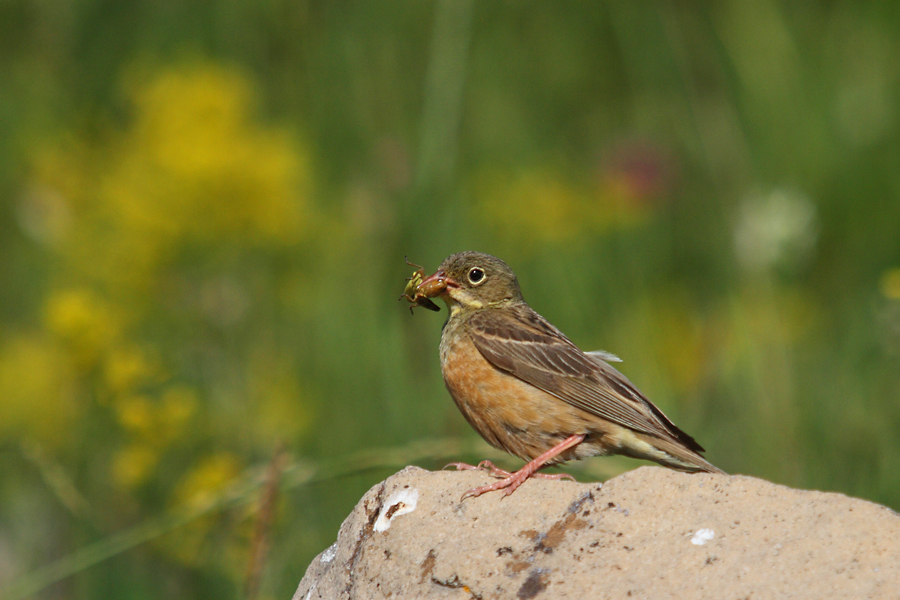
(204, 209)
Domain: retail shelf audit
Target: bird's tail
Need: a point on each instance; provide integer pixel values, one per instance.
(672, 454)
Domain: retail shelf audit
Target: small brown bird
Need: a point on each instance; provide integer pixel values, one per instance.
(530, 391)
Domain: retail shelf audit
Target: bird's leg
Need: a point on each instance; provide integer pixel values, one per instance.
(511, 481)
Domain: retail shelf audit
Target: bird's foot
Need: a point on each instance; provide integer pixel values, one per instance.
(495, 471)
(485, 465)
(554, 476)
(511, 481)
(509, 484)
(508, 481)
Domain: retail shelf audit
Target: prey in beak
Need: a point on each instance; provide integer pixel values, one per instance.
(419, 289)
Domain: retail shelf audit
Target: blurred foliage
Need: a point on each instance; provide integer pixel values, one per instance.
(204, 212)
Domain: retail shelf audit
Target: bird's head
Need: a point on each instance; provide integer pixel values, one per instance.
(472, 280)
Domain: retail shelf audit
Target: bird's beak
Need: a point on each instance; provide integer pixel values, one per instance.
(435, 285)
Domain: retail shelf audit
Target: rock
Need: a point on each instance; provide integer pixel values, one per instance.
(650, 533)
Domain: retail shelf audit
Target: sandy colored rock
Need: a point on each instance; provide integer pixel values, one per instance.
(650, 533)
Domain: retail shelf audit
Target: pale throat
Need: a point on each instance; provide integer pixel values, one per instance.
(459, 299)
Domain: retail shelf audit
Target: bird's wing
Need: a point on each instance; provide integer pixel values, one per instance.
(604, 355)
(520, 342)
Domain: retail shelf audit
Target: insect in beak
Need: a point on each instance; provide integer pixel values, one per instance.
(419, 291)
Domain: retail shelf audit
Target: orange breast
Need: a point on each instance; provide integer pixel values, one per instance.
(508, 413)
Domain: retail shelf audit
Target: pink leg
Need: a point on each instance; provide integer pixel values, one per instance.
(511, 481)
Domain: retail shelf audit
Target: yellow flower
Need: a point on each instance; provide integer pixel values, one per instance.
(133, 465)
(196, 169)
(37, 393)
(890, 283)
(179, 403)
(197, 489)
(157, 422)
(137, 415)
(125, 368)
(202, 484)
(83, 322)
(196, 164)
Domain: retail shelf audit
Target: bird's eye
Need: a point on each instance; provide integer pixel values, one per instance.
(476, 275)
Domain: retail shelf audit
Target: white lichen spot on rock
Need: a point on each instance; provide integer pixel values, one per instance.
(701, 536)
(398, 503)
(329, 553)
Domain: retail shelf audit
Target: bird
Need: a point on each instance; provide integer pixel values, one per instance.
(531, 392)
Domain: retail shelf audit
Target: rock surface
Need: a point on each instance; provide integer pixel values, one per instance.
(650, 533)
